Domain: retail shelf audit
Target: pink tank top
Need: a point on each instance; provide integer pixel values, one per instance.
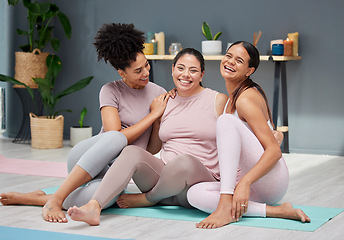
(188, 126)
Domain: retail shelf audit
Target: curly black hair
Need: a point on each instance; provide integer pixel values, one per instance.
(119, 44)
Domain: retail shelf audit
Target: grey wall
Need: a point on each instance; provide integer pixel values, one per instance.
(316, 112)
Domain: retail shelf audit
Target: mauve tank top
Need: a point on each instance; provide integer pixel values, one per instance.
(188, 126)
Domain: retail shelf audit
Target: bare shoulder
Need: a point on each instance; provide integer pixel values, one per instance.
(251, 104)
(250, 96)
(221, 97)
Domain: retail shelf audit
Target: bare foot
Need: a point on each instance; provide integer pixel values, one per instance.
(286, 210)
(89, 213)
(52, 212)
(36, 198)
(222, 215)
(133, 201)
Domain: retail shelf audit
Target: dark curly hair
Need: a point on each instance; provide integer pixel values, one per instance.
(119, 44)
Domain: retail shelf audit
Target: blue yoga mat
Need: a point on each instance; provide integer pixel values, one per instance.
(12, 233)
(318, 216)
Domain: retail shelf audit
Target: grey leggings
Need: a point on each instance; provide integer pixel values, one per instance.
(94, 155)
(164, 184)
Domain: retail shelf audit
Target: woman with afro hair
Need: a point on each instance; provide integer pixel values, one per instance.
(129, 109)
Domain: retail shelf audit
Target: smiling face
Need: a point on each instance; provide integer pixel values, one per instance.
(187, 75)
(137, 74)
(235, 64)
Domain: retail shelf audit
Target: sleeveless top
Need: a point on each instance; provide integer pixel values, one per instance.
(188, 126)
(245, 123)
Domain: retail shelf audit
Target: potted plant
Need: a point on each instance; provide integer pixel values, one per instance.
(47, 131)
(41, 19)
(211, 46)
(80, 132)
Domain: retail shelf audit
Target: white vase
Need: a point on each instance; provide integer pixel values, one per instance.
(212, 47)
(78, 134)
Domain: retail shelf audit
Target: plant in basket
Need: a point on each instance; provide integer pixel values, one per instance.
(43, 134)
(46, 86)
(41, 17)
(50, 99)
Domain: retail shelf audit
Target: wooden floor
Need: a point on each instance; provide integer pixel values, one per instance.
(314, 181)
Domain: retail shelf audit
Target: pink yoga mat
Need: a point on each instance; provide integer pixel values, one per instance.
(33, 167)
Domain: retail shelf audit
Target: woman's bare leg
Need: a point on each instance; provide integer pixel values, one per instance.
(207, 197)
(220, 216)
(287, 211)
(89, 213)
(35, 198)
(85, 161)
(52, 210)
(133, 162)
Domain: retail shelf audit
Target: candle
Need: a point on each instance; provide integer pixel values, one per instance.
(148, 49)
(160, 38)
(277, 49)
(288, 47)
(295, 38)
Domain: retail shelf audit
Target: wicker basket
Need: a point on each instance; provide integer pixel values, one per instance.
(46, 133)
(30, 65)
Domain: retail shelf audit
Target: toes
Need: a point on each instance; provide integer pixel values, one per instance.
(70, 211)
(200, 225)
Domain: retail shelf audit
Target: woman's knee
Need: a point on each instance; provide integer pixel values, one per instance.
(228, 120)
(131, 150)
(132, 154)
(193, 194)
(116, 137)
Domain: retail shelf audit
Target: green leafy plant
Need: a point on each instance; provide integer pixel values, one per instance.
(82, 116)
(4, 78)
(46, 86)
(207, 32)
(40, 18)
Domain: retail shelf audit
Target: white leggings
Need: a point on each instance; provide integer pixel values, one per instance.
(94, 155)
(239, 150)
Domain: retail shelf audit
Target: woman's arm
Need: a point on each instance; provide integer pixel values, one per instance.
(111, 119)
(154, 144)
(220, 103)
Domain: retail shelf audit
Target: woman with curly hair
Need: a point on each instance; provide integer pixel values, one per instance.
(129, 109)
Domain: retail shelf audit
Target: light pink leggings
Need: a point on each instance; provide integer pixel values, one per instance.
(238, 148)
(166, 184)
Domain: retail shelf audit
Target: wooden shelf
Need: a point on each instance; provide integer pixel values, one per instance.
(219, 57)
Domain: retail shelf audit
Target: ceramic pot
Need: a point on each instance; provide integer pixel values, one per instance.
(78, 134)
(213, 47)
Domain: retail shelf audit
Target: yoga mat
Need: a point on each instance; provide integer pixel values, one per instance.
(33, 167)
(318, 215)
(12, 233)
